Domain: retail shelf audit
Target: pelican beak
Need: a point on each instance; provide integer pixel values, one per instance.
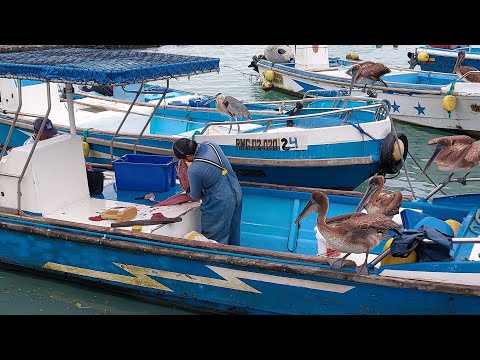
(366, 197)
(307, 210)
(354, 79)
(437, 151)
(457, 63)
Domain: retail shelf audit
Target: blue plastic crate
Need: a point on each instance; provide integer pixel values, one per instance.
(152, 173)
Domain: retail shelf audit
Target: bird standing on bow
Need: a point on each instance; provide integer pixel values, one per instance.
(357, 234)
(455, 153)
(230, 106)
(461, 70)
(368, 73)
(376, 200)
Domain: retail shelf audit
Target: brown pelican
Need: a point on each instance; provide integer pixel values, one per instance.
(455, 153)
(461, 70)
(377, 200)
(356, 234)
(230, 106)
(367, 72)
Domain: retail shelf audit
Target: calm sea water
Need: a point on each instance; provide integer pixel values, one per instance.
(24, 293)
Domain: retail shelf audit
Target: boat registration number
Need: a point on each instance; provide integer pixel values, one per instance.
(281, 144)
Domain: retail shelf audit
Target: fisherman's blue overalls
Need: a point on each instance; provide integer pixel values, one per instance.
(213, 180)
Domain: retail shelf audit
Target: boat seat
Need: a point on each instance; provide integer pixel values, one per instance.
(47, 185)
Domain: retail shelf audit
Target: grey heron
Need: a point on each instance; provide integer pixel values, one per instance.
(231, 107)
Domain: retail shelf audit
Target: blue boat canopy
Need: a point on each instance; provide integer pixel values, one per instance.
(85, 66)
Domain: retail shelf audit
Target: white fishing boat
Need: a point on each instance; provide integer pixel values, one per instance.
(432, 99)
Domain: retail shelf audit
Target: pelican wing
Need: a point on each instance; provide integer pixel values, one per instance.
(374, 70)
(458, 139)
(473, 153)
(390, 202)
(335, 220)
(376, 221)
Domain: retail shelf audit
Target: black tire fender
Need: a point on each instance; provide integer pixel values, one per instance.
(388, 165)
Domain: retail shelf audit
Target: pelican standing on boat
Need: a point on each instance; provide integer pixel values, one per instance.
(461, 70)
(231, 107)
(455, 153)
(357, 234)
(376, 200)
(368, 73)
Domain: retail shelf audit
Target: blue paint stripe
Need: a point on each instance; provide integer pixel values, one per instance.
(147, 242)
(327, 151)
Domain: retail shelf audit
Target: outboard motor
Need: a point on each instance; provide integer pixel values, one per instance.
(413, 60)
(255, 60)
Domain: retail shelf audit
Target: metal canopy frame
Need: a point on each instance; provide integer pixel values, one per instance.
(92, 66)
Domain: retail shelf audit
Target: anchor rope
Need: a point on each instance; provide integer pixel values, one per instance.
(247, 75)
(85, 134)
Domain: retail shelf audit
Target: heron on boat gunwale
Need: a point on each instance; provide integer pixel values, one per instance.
(357, 234)
(228, 105)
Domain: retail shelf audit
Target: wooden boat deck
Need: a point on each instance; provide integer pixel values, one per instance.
(114, 199)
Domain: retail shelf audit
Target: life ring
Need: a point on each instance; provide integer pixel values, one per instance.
(390, 162)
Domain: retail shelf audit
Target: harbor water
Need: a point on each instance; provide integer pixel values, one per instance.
(28, 294)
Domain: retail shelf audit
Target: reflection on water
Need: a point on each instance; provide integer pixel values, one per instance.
(22, 293)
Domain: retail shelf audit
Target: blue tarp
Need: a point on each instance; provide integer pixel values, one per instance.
(101, 66)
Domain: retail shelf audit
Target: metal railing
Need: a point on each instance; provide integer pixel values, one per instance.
(164, 93)
(381, 109)
(137, 94)
(468, 73)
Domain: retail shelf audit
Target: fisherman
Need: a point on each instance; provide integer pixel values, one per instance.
(48, 131)
(212, 180)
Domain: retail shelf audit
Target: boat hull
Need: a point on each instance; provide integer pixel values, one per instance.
(330, 157)
(443, 60)
(229, 281)
(418, 107)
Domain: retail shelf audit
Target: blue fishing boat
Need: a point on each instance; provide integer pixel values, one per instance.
(108, 236)
(335, 141)
(437, 100)
(442, 58)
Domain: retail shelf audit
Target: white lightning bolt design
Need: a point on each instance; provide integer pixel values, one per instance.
(231, 278)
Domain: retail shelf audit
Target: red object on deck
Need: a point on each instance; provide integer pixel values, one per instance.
(157, 216)
(95, 218)
(332, 252)
(174, 200)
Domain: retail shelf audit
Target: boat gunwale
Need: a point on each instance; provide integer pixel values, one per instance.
(407, 91)
(236, 256)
